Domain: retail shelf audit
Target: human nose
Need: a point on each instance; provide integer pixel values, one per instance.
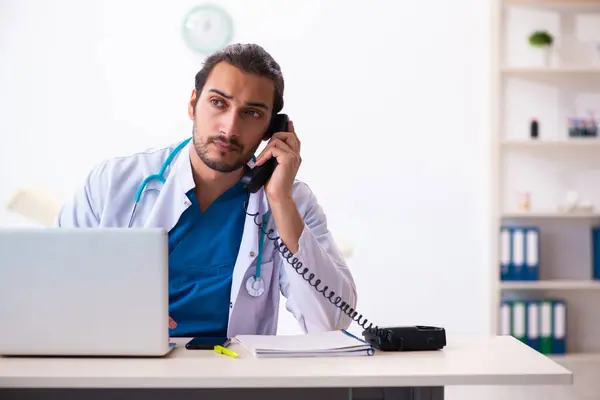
(230, 124)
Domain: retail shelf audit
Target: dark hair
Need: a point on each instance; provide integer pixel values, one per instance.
(250, 58)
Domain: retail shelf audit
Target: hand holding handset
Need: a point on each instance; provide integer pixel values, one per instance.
(255, 178)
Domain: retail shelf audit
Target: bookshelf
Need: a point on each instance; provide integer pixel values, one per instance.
(551, 183)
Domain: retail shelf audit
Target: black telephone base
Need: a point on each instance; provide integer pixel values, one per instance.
(407, 338)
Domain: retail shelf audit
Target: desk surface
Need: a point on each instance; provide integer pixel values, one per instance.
(500, 360)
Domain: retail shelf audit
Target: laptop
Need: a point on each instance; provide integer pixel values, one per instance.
(84, 292)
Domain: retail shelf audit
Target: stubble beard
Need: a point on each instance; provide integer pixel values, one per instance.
(201, 148)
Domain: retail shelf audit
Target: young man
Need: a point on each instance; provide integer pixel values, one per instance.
(224, 275)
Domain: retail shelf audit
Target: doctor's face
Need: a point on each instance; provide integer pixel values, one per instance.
(231, 117)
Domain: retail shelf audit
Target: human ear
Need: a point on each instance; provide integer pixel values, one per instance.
(192, 105)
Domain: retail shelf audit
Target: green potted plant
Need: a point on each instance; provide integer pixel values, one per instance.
(543, 41)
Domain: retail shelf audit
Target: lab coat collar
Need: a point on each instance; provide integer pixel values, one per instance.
(173, 200)
(183, 168)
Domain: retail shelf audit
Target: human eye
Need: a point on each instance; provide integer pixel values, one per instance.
(254, 113)
(217, 102)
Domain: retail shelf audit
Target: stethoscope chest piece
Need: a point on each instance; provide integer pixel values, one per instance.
(255, 286)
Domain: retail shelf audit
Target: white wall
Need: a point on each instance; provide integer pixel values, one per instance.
(389, 98)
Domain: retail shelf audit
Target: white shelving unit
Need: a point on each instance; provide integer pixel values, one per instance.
(558, 284)
(526, 87)
(549, 71)
(551, 215)
(562, 145)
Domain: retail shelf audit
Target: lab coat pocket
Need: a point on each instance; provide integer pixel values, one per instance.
(258, 314)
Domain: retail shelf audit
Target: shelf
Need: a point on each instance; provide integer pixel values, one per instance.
(576, 357)
(565, 2)
(548, 71)
(552, 2)
(565, 5)
(559, 284)
(568, 143)
(550, 214)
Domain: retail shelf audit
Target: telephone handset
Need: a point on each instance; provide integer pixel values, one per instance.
(399, 338)
(255, 178)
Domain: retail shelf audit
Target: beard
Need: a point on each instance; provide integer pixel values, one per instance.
(220, 165)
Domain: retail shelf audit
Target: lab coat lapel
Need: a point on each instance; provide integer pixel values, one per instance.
(249, 245)
(173, 200)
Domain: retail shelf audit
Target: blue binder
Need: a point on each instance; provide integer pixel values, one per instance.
(506, 318)
(533, 324)
(518, 271)
(559, 342)
(596, 252)
(505, 253)
(532, 254)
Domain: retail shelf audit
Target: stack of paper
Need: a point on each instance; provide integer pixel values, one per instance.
(326, 344)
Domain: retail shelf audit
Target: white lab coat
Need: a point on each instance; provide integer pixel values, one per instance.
(107, 200)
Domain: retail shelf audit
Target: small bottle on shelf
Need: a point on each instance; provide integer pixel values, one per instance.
(534, 129)
(524, 203)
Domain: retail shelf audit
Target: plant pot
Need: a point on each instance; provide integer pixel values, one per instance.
(545, 55)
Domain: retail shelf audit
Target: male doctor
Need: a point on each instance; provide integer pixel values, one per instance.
(224, 275)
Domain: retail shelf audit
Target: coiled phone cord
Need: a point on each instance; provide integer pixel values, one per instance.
(315, 282)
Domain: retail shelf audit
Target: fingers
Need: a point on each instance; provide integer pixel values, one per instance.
(285, 146)
(290, 139)
(268, 153)
(281, 151)
(172, 323)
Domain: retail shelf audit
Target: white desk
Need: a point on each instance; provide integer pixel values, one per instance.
(196, 374)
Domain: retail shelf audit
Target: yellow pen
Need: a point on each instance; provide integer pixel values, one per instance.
(227, 352)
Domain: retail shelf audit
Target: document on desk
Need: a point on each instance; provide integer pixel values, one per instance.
(323, 344)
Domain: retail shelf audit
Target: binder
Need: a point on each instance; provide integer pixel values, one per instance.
(518, 254)
(533, 325)
(560, 327)
(519, 321)
(546, 325)
(505, 318)
(532, 254)
(596, 252)
(505, 254)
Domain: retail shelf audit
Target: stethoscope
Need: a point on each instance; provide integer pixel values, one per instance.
(255, 285)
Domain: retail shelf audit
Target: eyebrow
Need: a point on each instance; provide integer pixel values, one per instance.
(248, 103)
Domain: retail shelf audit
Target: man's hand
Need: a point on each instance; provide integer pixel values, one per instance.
(285, 147)
(172, 323)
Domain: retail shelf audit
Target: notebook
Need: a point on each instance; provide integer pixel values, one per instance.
(322, 344)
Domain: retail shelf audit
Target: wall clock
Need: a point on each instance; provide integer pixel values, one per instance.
(207, 28)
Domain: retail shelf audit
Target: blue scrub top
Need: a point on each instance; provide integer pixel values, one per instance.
(203, 248)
